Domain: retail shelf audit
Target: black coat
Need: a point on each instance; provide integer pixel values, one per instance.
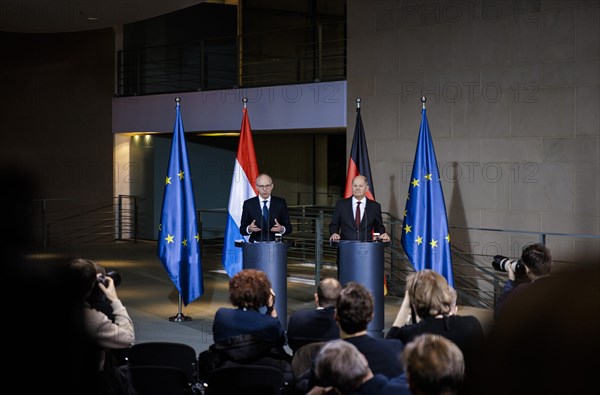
(310, 326)
(342, 221)
(252, 211)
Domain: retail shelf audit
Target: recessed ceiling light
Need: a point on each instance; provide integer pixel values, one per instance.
(93, 18)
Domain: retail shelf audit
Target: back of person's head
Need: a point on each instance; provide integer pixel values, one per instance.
(537, 258)
(434, 365)
(328, 292)
(453, 300)
(429, 293)
(249, 288)
(81, 274)
(354, 308)
(543, 344)
(339, 364)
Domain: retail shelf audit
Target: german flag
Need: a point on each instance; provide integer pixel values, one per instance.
(358, 165)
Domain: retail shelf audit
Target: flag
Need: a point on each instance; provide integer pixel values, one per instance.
(178, 238)
(358, 165)
(243, 187)
(425, 235)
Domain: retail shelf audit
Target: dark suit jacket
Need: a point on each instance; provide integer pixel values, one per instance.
(231, 322)
(383, 355)
(342, 221)
(252, 210)
(310, 326)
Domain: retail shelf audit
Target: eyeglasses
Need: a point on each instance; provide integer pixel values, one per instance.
(264, 186)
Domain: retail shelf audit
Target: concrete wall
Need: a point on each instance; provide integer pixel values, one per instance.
(55, 116)
(513, 106)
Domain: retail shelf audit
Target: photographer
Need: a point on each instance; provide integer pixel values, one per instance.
(99, 301)
(429, 306)
(104, 334)
(536, 263)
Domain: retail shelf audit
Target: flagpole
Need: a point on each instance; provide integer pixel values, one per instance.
(357, 103)
(423, 100)
(179, 317)
(245, 101)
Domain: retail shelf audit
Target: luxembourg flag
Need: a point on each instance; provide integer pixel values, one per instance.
(243, 187)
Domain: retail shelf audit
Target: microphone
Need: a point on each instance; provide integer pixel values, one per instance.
(366, 220)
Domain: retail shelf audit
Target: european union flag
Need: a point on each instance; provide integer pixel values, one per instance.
(425, 236)
(178, 238)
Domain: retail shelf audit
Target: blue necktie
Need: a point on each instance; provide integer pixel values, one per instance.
(265, 213)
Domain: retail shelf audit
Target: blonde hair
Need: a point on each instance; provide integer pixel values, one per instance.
(433, 364)
(430, 294)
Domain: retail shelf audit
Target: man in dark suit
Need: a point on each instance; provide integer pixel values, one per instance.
(343, 224)
(265, 215)
(354, 311)
(316, 325)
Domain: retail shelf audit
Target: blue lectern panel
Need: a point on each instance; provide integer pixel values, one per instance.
(363, 262)
(271, 258)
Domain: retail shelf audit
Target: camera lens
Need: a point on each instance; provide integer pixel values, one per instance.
(501, 263)
(115, 276)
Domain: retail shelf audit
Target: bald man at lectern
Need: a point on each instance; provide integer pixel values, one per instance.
(265, 215)
(357, 217)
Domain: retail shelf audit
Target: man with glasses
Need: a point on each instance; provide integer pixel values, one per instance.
(265, 215)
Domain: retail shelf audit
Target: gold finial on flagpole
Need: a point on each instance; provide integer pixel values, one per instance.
(423, 100)
(358, 103)
(245, 101)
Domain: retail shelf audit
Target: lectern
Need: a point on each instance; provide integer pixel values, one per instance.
(271, 258)
(362, 262)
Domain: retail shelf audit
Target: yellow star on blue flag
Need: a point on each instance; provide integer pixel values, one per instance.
(425, 212)
(178, 225)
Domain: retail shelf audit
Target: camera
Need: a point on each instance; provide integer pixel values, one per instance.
(502, 263)
(112, 274)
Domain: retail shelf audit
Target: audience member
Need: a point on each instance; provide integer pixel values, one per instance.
(104, 334)
(546, 340)
(538, 263)
(433, 304)
(249, 291)
(98, 300)
(316, 325)
(249, 333)
(354, 312)
(342, 369)
(434, 365)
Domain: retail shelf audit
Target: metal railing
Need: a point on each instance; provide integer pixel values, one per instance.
(299, 55)
(310, 254)
(66, 221)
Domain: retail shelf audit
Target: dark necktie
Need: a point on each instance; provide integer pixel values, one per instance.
(265, 213)
(357, 216)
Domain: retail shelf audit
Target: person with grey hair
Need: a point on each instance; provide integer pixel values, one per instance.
(342, 369)
(265, 215)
